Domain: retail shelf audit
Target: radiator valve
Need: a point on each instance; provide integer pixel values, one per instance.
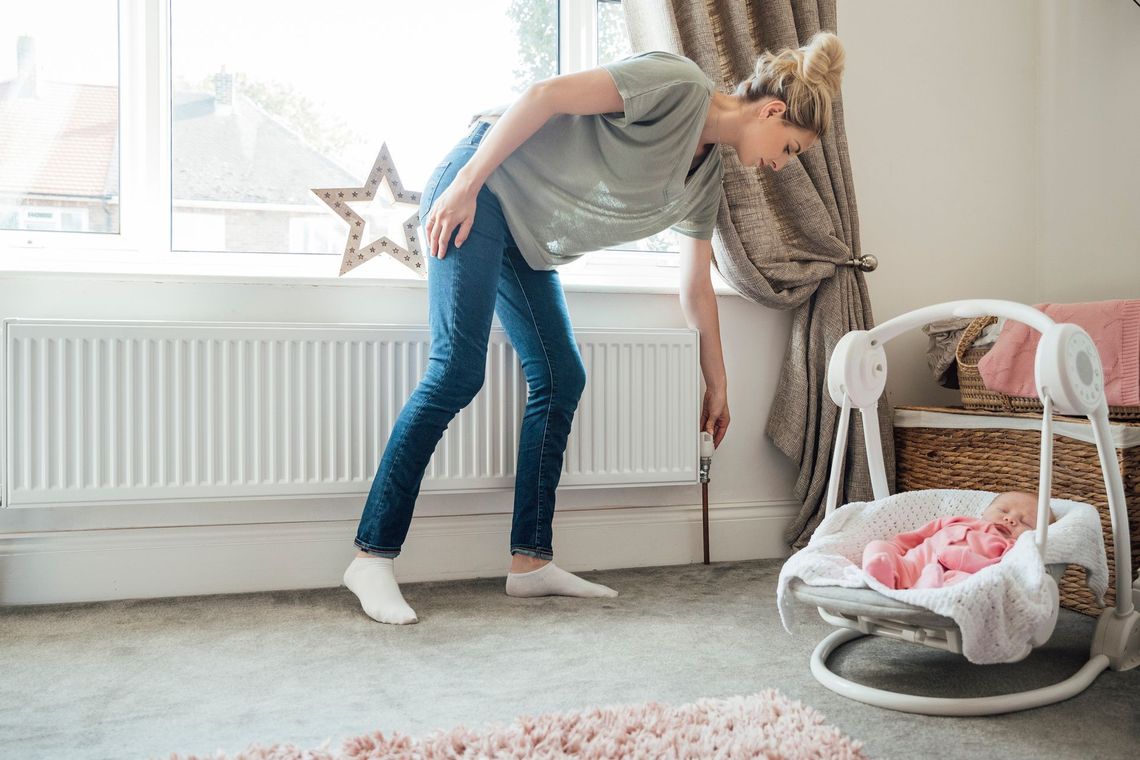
(707, 449)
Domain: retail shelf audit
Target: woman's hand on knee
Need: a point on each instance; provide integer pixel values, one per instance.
(453, 211)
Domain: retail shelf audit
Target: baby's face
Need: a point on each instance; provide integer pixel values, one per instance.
(1015, 512)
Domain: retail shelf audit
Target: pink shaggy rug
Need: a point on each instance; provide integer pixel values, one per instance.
(764, 725)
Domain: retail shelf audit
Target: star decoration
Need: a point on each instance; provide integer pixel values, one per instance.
(357, 252)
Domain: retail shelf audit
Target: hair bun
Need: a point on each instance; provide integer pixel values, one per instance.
(823, 60)
(806, 78)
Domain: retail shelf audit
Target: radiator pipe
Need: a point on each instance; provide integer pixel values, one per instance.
(707, 449)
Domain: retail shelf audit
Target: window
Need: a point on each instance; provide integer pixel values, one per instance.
(256, 102)
(259, 119)
(40, 216)
(201, 230)
(59, 125)
(613, 43)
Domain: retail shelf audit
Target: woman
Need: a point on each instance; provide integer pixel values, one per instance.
(578, 163)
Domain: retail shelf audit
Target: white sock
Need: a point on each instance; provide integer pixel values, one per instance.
(550, 580)
(373, 580)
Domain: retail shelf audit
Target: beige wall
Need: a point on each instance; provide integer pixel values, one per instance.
(995, 154)
(939, 103)
(1089, 159)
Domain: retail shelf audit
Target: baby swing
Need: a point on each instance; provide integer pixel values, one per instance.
(1069, 376)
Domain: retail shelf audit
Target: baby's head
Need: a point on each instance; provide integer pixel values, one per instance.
(1015, 512)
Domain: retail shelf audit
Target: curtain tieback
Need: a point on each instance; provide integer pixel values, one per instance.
(866, 262)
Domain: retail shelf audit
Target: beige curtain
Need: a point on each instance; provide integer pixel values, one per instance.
(788, 240)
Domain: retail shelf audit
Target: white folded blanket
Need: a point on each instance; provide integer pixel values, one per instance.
(997, 609)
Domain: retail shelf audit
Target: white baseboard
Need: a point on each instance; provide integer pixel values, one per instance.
(99, 565)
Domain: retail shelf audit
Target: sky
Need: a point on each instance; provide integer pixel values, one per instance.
(406, 73)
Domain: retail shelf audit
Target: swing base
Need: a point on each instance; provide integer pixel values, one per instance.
(960, 707)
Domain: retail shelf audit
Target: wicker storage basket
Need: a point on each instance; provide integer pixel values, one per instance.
(975, 394)
(945, 447)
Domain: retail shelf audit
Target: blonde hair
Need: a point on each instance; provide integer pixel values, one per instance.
(805, 78)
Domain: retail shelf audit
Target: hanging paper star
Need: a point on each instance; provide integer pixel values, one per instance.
(356, 252)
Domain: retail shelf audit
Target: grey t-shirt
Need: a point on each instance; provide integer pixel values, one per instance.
(582, 183)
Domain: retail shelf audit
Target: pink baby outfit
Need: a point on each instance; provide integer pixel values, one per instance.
(942, 552)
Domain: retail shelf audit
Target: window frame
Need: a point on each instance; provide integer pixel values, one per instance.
(143, 242)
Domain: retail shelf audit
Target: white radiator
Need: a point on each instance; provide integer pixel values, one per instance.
(98, 411)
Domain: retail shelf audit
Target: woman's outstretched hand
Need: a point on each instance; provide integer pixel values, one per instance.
(453, 210)
(714, 413)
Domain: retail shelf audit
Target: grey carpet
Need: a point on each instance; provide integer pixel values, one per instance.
(197, 674)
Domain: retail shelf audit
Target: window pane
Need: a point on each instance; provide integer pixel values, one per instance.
(59, 116)
(272, 98)
(613, 43)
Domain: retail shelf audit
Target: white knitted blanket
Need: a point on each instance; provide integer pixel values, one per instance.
(997, 608)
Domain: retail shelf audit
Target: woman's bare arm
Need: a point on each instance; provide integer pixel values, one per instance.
(698, 302)
(586, 92)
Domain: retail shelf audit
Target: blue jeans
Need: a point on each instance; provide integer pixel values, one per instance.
(487, 276)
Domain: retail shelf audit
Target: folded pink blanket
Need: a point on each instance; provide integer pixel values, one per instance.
(1114, 327)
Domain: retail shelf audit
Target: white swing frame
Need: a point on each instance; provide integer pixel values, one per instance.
(857, 375)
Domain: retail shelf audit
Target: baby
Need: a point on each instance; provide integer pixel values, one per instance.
(950, 549)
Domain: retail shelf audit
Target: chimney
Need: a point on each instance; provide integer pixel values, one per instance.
(26, 66)
(223, 92)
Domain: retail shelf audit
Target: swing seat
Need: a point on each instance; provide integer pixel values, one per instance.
(1069, 374)
(868, 603)
(869, 612)
(865, 603)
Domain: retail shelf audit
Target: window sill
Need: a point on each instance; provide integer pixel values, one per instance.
(307, 270)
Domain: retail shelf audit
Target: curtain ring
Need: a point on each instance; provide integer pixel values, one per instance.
(866, 262)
